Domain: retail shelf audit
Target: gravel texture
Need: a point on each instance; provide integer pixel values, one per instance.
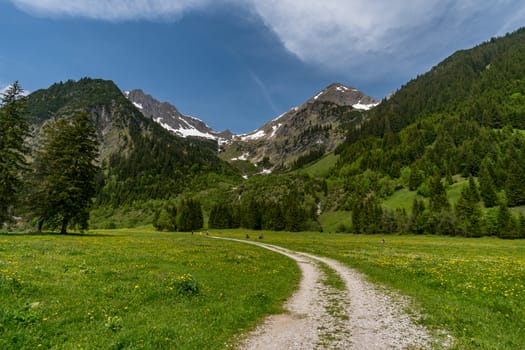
(363, 316)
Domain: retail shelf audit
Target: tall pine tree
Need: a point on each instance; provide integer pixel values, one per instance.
(13, 131)
(65, 171)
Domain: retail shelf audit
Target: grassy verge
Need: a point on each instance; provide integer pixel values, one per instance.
(473, 288)
(135, 289)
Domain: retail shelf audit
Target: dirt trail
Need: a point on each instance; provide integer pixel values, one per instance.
(320, 317)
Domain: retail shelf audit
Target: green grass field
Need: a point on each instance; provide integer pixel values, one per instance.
(472, 288)
(142, 289)
(135, 289)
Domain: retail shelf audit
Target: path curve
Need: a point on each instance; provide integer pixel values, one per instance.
(318, 316)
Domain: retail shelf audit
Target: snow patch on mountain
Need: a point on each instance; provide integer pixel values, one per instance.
(185, 132)
(318, 95)
(253, 136)
(364, 107)
(244, 156)
(138, 105)
(275, 128)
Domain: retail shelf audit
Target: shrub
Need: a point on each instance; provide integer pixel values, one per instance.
(184, 285)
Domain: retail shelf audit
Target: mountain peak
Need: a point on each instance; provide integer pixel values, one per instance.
(170, 118)
(345, 96)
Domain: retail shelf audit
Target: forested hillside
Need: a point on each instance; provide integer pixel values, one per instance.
(484, 84)
(464, 117)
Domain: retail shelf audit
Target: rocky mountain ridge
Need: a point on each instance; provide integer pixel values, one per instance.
(310, 127)
(315, 126)
(171, 119)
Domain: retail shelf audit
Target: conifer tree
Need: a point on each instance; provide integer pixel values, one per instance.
(221, 216)
(468, 210)
(189, 215)
(13, 131)
(505, 220)
(184, 223)
(417, 219)
(64, 172)
(438, 197)
(515, 185)
(486, 186)
(367, 214)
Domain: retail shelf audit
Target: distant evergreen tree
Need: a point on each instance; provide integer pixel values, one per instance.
(221, 216)
(294, 213)
(506, 224)
(65, 172)
(515, 185)
(13, 131)
(522, 226)
(468, 210)
(486, 186)
(390, 221)
(273, 217)
(438, 197)
(367, 214)
(418, 218)
(415, 179)
(251, 217)
(189, 215)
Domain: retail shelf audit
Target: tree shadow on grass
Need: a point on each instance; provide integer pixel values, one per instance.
(58, 234)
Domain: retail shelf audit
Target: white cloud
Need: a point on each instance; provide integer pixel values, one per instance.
(343, 34)
(112, 10)
(364, 38)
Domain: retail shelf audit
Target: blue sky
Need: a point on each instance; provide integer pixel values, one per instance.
(239, 63)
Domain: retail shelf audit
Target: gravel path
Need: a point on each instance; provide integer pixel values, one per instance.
(321, 317)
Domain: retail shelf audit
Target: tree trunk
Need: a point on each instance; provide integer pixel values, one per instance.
(39, 224)
(63, 230)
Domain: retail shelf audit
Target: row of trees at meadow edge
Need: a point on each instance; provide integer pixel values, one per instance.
(469, 217)
(290, 215)
(187, 216)
(54, 183)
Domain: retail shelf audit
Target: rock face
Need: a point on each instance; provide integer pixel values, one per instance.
(311, 129)
(171, 119)
(307, 131)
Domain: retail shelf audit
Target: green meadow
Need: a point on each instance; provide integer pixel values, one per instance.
(133, 289)
(474, 289)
